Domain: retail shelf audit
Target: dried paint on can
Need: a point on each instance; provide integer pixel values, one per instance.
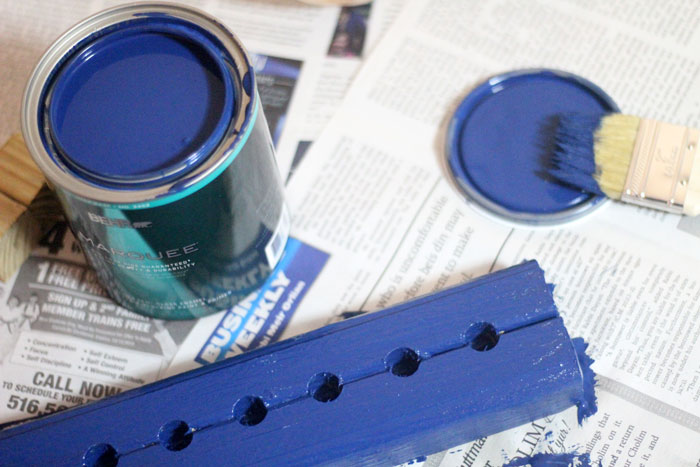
(146, 121)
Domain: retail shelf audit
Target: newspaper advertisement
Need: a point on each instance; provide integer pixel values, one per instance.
(63, 342)
(373, 192)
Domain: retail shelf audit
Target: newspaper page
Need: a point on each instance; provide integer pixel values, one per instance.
(357, 31)
(63, 342)
(373, 194)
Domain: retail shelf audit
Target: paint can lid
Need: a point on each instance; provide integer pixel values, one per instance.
(140, 104)
(499, 143)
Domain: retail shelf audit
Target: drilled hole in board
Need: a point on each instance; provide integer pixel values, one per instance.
(175, 435)
(481, 336)
(100, 455)
(402, 361)
(324, 387)
(249, 410)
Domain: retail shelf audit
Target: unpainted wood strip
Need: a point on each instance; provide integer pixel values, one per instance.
(10, 210)
(20, 178)
(17, 243)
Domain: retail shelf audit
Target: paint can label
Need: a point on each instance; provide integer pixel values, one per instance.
(200, 254)
(181, 212)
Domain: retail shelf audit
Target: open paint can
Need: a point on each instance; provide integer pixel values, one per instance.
(146, 121)
(499, 144)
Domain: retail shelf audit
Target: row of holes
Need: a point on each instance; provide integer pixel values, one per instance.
(323, 387)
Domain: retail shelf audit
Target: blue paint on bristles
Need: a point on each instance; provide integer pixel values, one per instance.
(573, 161)
(381, 388)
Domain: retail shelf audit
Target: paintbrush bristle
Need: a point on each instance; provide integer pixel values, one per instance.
(593, 152)
(613, 149)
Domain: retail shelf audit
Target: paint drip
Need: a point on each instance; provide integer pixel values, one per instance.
(587, 406)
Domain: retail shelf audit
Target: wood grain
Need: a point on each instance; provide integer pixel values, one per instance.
(10, 210)
(21, 179)
(20, 183)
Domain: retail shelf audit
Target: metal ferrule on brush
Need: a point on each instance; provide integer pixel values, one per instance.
(661, 166)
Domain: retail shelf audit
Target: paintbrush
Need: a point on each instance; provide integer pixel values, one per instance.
(636, 160)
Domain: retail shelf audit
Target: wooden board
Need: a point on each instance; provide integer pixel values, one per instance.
(20, 183)
(384, 387)
(21, 179)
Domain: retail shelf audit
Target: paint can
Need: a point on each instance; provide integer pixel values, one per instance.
(498, 146)
(146, 121)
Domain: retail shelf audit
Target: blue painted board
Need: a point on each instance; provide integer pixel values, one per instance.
(459, 396)
(479, 358)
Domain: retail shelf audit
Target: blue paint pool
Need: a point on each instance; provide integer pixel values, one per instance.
(498, 143)
(140, 102)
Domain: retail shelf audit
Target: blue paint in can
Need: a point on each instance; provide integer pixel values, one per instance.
(497, 145)
(147, 121)
(147, 100)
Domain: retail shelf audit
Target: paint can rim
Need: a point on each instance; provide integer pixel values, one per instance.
(140, 195)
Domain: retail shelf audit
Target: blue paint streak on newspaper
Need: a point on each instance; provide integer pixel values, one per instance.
(260, 319)
(552, 460)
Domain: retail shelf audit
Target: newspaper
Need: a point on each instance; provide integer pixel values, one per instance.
(356, 32)
(372, 192)
(375, 222)
(64, 342)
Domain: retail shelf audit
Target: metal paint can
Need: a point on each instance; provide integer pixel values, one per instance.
(146, 121)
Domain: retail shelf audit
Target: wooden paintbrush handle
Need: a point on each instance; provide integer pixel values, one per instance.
(692, 196)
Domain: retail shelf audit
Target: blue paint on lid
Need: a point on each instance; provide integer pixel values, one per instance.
(141, 104)
(499, 144)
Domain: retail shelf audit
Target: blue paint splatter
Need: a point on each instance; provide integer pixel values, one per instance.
(417, 460)
(552, 460)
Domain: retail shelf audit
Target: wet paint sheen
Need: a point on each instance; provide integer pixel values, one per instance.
(139, 102)
(379, 389)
